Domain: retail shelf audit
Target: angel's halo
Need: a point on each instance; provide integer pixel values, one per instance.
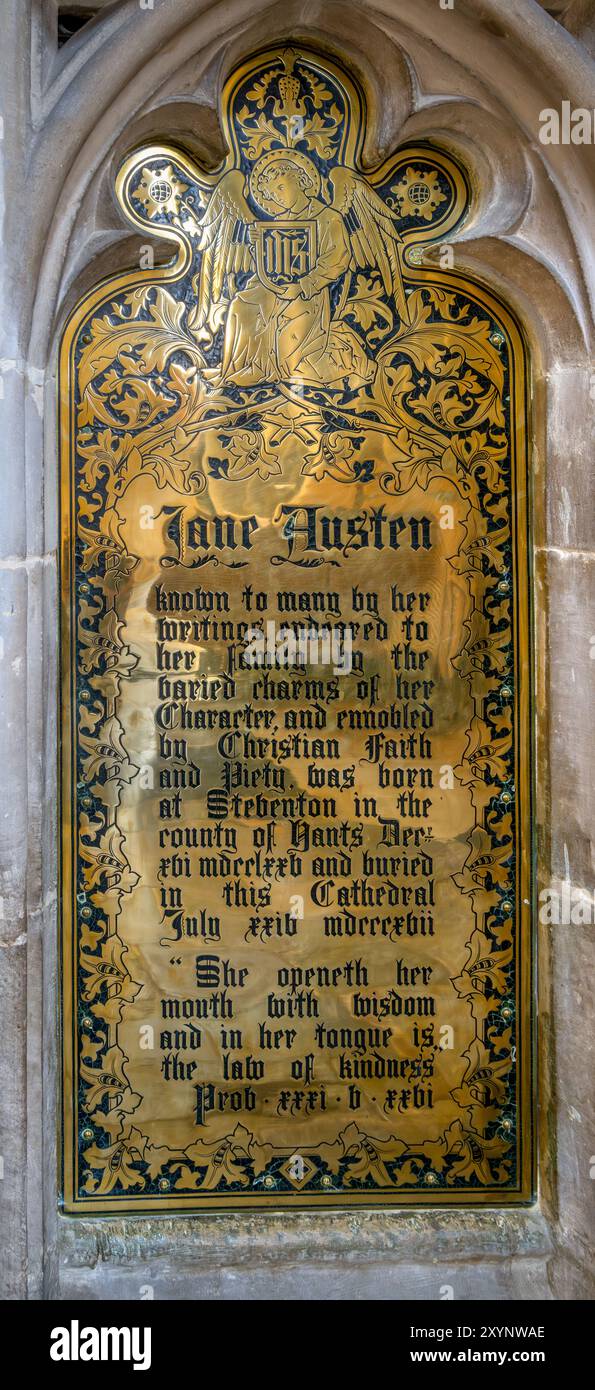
(268, 161)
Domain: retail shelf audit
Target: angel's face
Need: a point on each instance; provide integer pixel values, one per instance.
(284, 186)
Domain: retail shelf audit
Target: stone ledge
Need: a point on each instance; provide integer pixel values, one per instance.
(264, 1238)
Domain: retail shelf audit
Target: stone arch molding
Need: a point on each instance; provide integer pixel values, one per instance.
(429, 73)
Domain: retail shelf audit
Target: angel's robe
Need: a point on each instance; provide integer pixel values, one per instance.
(280, 336)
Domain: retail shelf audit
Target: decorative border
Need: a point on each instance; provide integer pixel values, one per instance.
(356, 1169)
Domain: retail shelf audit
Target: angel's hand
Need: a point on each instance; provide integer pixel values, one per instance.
(291, 292)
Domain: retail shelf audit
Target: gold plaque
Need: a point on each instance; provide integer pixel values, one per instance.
(296, 748)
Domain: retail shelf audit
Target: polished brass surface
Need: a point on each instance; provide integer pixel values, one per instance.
(296, 773)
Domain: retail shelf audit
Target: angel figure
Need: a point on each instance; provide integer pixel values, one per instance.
(274, 282)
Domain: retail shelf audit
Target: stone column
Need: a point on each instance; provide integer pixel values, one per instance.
(22, 579)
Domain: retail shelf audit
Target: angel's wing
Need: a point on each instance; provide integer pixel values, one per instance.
(224, 242)
(375, 241)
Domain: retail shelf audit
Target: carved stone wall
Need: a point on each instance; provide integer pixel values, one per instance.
(473, 78)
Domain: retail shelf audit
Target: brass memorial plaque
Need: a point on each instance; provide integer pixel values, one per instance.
(296, 786)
